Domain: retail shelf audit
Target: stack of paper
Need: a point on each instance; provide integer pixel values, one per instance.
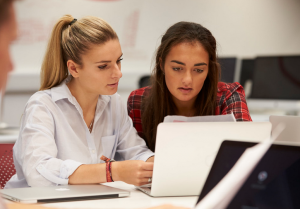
(210, 118)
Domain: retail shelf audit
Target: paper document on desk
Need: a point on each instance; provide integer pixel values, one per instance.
(209, 118)
(222, 194)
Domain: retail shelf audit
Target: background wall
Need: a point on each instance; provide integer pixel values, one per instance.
(242, 28)
(246, 28)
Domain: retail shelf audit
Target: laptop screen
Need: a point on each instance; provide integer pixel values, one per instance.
(274, 183)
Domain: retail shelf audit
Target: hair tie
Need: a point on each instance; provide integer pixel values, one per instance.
(73, 21)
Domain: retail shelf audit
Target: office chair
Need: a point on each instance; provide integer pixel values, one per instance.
(7, 167)
(144, 81)
(228, 66)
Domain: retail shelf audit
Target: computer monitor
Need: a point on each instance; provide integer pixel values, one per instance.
(228, 66)
(276, 77)
(247, 69)
(144, 81)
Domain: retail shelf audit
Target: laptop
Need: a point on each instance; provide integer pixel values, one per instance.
(291, 133)
(274, 183)
(185, 152)
(62, 193)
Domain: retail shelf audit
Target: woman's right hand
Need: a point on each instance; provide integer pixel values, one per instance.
(136, 172)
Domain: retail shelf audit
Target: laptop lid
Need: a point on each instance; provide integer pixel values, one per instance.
(291, 133)
(62, 193)
(185, 151)
(274, 183)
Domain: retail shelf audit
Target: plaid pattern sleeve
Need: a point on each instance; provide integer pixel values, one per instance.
(231, 99)
(134, 108)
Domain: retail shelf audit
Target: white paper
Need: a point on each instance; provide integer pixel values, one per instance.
(221, 195)
(210, 118)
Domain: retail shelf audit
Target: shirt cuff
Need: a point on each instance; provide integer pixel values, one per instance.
(66, 169)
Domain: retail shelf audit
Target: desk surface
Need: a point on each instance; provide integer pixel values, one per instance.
(137, 199)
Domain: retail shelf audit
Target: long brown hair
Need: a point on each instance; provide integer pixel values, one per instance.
(69, 40)
(158, 103)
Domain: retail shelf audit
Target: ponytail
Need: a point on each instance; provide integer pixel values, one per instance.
(68, 41)
(54, 69)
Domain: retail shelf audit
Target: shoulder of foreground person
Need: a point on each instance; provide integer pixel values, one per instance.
(24, 206)
(168, 207)
(29, 206)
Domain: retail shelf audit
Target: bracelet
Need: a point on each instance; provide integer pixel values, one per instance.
(108, 162)
(110, 171)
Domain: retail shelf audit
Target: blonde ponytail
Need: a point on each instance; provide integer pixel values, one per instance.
(69, 42)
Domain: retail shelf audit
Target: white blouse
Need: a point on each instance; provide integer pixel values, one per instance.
(54, 139)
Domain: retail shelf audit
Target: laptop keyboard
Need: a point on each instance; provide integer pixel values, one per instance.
(146, 186)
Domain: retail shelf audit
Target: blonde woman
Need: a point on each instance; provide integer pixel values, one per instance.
(77, 117)
(8, 34)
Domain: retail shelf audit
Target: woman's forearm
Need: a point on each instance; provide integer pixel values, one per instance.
(89, 174)
(135, 172)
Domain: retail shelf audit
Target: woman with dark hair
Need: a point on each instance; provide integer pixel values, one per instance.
(185, 81)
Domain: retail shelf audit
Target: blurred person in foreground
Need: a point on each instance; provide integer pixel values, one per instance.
(8, 33)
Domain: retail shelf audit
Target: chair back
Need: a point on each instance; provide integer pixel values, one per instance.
(144, 81)
(7, 167)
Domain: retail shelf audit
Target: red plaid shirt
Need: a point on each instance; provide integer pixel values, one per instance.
(230, 99)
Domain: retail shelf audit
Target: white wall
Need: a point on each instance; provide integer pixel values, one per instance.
(242, 28)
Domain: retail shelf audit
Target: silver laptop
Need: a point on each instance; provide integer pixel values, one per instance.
(291, 133)
(185, 152)
(62, 193)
